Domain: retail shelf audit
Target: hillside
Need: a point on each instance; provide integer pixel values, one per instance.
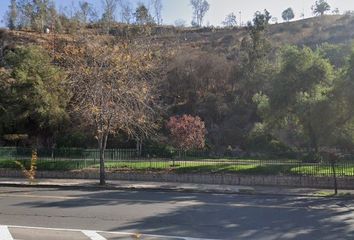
(336, 29)
(205, 73)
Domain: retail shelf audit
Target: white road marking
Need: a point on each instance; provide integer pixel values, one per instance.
(93, 235)
(98, 231)
(5, 233)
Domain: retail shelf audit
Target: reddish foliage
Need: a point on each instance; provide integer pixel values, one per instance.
(187, 132)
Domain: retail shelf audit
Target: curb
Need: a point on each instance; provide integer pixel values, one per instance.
(241, 191)
(129, 188)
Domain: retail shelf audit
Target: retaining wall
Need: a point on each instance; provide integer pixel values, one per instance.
(224, 179)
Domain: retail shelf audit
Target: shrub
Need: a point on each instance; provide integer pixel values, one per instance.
(187, 132)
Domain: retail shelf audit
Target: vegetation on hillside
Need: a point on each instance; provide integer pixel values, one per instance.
(263, 87)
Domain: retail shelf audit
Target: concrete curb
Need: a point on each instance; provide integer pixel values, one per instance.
(239, 191)
(138, 187)
(242, 190)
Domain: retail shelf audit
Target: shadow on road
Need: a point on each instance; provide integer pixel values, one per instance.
(221, 216)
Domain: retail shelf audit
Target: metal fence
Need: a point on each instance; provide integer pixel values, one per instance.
(175, 161)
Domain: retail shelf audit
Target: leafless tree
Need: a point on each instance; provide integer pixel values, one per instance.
(200, 8)
(126, 11)
(86, 12)
(112, 90)
(108, 16)
(12, 15)
(157, 7)
(180, 23)
(230, 20)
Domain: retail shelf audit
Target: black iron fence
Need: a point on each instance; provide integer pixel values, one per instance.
(178, 161)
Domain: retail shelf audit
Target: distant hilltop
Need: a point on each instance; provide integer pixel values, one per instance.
(334, 29)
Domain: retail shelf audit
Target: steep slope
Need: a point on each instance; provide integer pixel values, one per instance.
(336, 29)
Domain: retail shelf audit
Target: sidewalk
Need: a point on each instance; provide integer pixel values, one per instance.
(164, 186)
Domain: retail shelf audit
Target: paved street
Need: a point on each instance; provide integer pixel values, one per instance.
(112, 214)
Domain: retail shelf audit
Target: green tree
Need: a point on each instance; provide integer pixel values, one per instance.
(253, 68)
(343, 95)
(320, 7)
(260, 21)
(142, 15)
(288, 14)
(36, 99)
(300, 96)
(250, 74)
(337, 54)
(5, 80)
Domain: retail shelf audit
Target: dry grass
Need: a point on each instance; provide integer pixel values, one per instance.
(311, 31)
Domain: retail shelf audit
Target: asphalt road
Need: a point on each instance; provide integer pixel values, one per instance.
(59, 214)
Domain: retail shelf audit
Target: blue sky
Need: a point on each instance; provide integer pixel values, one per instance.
(181, 9)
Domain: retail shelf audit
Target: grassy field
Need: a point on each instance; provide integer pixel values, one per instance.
(240, 166)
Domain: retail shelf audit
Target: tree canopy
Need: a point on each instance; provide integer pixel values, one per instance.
(321, 7)
(187, 132)
(288, 14)
(230, 20)
(200, 8)
(35, 99)
(142, 15)
(300, 96)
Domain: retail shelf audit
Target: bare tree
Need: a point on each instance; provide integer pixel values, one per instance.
(180, 23)
(108, 16)
(200, 8)
(12, 15)
(41, 14)
(336, 11)
(126, 11)
(157, 7)
(86, 12)
(230, 20)
(35, 14)
(25, 12)
(112, 90)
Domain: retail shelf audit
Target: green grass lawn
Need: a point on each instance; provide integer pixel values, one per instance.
(240, 166)
(48, 165)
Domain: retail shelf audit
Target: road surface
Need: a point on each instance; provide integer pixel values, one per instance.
(57, 214)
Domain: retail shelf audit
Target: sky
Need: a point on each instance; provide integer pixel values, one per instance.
(244, 9)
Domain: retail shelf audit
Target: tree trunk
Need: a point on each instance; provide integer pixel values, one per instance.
(139, 146)
(102, 146)
(334, 174)
(102, 170)
(313, 140)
